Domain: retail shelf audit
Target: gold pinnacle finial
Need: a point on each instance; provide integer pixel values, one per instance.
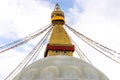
(57, 7)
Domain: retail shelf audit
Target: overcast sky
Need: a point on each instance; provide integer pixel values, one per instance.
(97, 19)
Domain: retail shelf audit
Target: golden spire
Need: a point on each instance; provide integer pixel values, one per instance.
(59, 43)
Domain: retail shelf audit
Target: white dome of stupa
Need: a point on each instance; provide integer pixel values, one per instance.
(60, 68)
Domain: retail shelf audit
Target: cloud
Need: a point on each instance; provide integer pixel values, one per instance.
(97, 17)
(99, 20)
(23, 17)
(19, 18)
